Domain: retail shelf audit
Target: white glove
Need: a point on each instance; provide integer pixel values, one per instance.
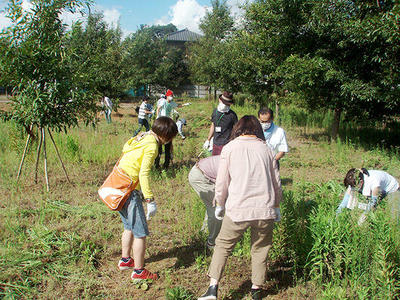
(151, 210)
(186, 104)
(206, 144)
(278, 214)
(219, 212)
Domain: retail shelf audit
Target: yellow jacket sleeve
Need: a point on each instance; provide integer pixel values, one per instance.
(149, 155)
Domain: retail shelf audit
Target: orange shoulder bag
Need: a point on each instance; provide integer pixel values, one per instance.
(116, 188)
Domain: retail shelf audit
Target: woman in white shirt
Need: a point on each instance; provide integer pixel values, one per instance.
(376, 185)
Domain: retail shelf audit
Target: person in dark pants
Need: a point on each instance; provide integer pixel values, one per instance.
(168, 150)
(165, 109)
(144, 113)
(223, 119)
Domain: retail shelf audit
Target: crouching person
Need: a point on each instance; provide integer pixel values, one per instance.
(138, 156)
(248, 188)
(375, 185)
(202, 179)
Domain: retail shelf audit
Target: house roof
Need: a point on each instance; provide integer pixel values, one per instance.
(183, 36)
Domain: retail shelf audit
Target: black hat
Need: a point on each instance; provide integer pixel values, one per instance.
(226, 98)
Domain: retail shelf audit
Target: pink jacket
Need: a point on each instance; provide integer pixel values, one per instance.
(209, 167)
(248, 182)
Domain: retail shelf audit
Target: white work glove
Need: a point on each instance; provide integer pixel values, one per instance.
(206, 144)
(151, 210)
(186, 104)
(219, 212)
(278, 214)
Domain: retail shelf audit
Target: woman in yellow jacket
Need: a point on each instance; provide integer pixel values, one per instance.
(139, 154)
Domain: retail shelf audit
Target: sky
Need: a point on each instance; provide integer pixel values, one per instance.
(130, 14)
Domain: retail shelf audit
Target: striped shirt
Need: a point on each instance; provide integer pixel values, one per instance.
(142, 110)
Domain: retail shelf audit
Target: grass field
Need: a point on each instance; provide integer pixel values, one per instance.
(66, 243)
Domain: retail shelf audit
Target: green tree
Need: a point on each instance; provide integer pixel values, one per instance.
(143, 54)
(339, 55)
(210, 62)
(95, 53)
(173, 69)
(349, 61)
(151, 61)
(46, 93)
(272, 31)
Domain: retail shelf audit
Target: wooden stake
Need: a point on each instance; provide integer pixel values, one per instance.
(45, 158)
(23, 156)
(38, 155)
(58, 154)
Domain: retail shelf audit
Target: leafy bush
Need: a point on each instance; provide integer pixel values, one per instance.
(178, 293)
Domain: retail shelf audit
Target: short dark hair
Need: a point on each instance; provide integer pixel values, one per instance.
(165, 128)
(266, 110)
(146, 98)
(247, 125)
(351, 176)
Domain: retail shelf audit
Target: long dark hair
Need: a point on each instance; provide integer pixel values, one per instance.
(247, 125)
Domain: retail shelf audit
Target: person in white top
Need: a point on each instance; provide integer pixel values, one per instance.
(160, 103)
(166, 107)
(144, 114)
(180, 123)
(376, 185)
(275, 136)
(107, 106)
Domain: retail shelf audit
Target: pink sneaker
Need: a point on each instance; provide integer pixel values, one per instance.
(126, 265)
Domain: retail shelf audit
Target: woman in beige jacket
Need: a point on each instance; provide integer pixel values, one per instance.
(248, 190)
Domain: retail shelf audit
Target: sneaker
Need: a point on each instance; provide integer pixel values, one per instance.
(256, 294)
(211, 293)
(126, 265)
(146, 274)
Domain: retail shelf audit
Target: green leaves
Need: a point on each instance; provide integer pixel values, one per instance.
(95, 56)
(212, 60)
(45, 91)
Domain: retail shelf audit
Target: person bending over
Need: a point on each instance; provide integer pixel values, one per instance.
(138, 156)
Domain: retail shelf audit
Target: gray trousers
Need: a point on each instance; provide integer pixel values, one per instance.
(205, 189)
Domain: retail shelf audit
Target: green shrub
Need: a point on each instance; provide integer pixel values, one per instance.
(178, 293)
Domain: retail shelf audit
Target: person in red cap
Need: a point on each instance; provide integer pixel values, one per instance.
(166, 106)
(223, 119)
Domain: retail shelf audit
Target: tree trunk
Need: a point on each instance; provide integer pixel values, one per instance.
(336, 122)
(276, 117)
(209, 93)
(215, 94)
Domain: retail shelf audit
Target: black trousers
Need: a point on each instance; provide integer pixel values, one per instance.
(167, 148)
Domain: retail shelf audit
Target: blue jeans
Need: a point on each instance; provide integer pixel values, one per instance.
(142, 122)
(133, 216)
